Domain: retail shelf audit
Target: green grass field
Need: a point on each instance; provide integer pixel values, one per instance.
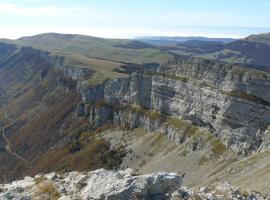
(101, 55)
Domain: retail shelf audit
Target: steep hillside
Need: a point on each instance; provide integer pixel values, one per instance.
(213, 114)
(254, 52)
(38, 114)
(219, 97)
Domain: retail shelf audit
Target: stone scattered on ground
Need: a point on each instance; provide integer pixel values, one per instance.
(219, 191)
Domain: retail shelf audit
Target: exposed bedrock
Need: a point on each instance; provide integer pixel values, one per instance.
(232, 103)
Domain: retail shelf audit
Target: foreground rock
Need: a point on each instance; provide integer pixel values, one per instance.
(99, 184)
(112, 185)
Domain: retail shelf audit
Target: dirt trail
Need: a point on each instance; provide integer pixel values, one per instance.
(8, 146)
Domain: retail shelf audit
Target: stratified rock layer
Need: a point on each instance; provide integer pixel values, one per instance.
(233, 103)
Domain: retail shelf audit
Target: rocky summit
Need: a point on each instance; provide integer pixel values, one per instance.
(116, 185)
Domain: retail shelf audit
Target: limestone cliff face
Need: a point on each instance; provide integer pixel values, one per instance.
(232, 103)
(8, 51)
(58, 62)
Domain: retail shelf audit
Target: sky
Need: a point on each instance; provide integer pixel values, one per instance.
(134, 18)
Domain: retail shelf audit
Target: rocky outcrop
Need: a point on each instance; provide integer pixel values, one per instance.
(96, 185)
(117, 185)
(8, 51)
(32, 79)
(75, 73)
(231, 102)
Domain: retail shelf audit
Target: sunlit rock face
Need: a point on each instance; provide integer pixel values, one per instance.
(233, 103)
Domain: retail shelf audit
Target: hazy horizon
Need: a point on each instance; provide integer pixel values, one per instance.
(142, 35)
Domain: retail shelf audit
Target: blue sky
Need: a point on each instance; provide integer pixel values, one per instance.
(131, 18)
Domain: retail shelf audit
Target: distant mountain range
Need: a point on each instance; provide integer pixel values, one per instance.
(253, 51)
(174, 40)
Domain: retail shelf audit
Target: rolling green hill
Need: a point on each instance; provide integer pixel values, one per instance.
(106, 57)
(261, 38)
(109, 57)
(93, 47)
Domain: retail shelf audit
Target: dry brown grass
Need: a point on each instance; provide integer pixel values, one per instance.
(46, 190)
(40, 179)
